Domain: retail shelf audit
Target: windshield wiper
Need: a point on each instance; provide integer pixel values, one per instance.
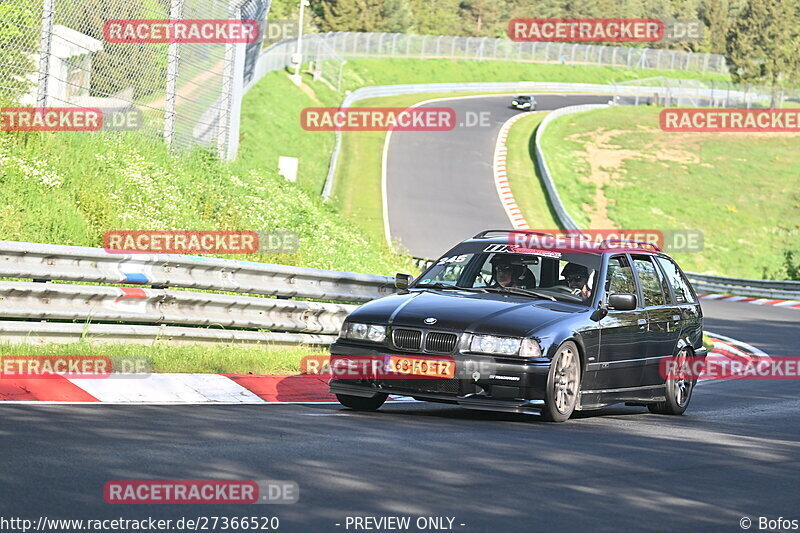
(440, 285)
(521, 292)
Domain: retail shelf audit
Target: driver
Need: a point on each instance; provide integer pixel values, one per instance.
(577, 277)
(509, 271)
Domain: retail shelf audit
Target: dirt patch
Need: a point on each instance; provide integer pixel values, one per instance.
(308, 90)
(606, 161)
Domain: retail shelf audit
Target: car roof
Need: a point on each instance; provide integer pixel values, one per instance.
(638, 247)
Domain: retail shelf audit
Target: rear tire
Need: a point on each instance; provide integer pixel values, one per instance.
(678, 391)
(360, 403)
(563, 384)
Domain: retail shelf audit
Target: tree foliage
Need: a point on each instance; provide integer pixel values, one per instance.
(19, 37)
(762, 43)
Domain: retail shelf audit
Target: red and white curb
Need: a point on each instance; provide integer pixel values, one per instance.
(728, 351)
(237, 389)
(501, 175)
(158, 389)
(791, 304)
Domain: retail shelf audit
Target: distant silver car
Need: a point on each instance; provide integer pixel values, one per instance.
(525, 103)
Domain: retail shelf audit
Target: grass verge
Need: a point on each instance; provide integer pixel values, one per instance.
(523, 174)
(742, 190)
(364, 72)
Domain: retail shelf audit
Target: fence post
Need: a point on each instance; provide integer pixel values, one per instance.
(173, 56)
(380, 44)
(45, 41)
(232, 92)
(394, 43)
(439, 45)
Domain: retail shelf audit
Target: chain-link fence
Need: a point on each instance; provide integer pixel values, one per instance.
(57, 53)
(352, 45)
(698, 93)
(328, 53)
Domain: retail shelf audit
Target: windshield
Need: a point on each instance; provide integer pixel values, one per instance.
(569, 277)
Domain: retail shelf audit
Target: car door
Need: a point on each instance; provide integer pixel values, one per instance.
(622, 333)
(663, 319)
(684, 301)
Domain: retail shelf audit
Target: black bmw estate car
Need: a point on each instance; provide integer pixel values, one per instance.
(495, 326)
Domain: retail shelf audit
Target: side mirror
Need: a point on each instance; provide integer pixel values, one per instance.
(622, 302)
(402, 281)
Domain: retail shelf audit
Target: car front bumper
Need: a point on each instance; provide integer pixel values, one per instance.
(480, 382)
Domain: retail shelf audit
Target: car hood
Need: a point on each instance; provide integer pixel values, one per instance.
(466, 311)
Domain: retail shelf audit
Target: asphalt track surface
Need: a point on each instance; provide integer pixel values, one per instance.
(440, 184)
(735, 453)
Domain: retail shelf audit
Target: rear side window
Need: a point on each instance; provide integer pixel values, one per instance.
(676, 279)
(620, 276)
(650, 280)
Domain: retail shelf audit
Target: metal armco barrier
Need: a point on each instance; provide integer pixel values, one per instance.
(95, 265)
(109, 313)
(776, 290)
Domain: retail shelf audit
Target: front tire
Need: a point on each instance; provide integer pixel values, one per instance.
(678, 391)
(360, 403)
(563, 384)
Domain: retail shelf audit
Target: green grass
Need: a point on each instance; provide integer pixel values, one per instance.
(216, 359)
(69, 188)
(741, 190)
(364, 72)
(270, 127)
(523, 174)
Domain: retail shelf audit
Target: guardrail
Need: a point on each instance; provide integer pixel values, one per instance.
(775, 290)
(136, 314)
(701, 282)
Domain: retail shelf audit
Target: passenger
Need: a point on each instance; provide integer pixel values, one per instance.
(510, 271)
(577, 277)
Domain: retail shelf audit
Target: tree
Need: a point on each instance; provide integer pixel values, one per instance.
(762, 43)
(396, 16)
(437, 17)
(716, 15)
(351, 15)
(18, 37)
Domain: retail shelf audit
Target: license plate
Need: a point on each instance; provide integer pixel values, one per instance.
(416, 366)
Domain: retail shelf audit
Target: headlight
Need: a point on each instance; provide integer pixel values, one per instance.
(515, 102)
(495, 345)
(363, 332)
